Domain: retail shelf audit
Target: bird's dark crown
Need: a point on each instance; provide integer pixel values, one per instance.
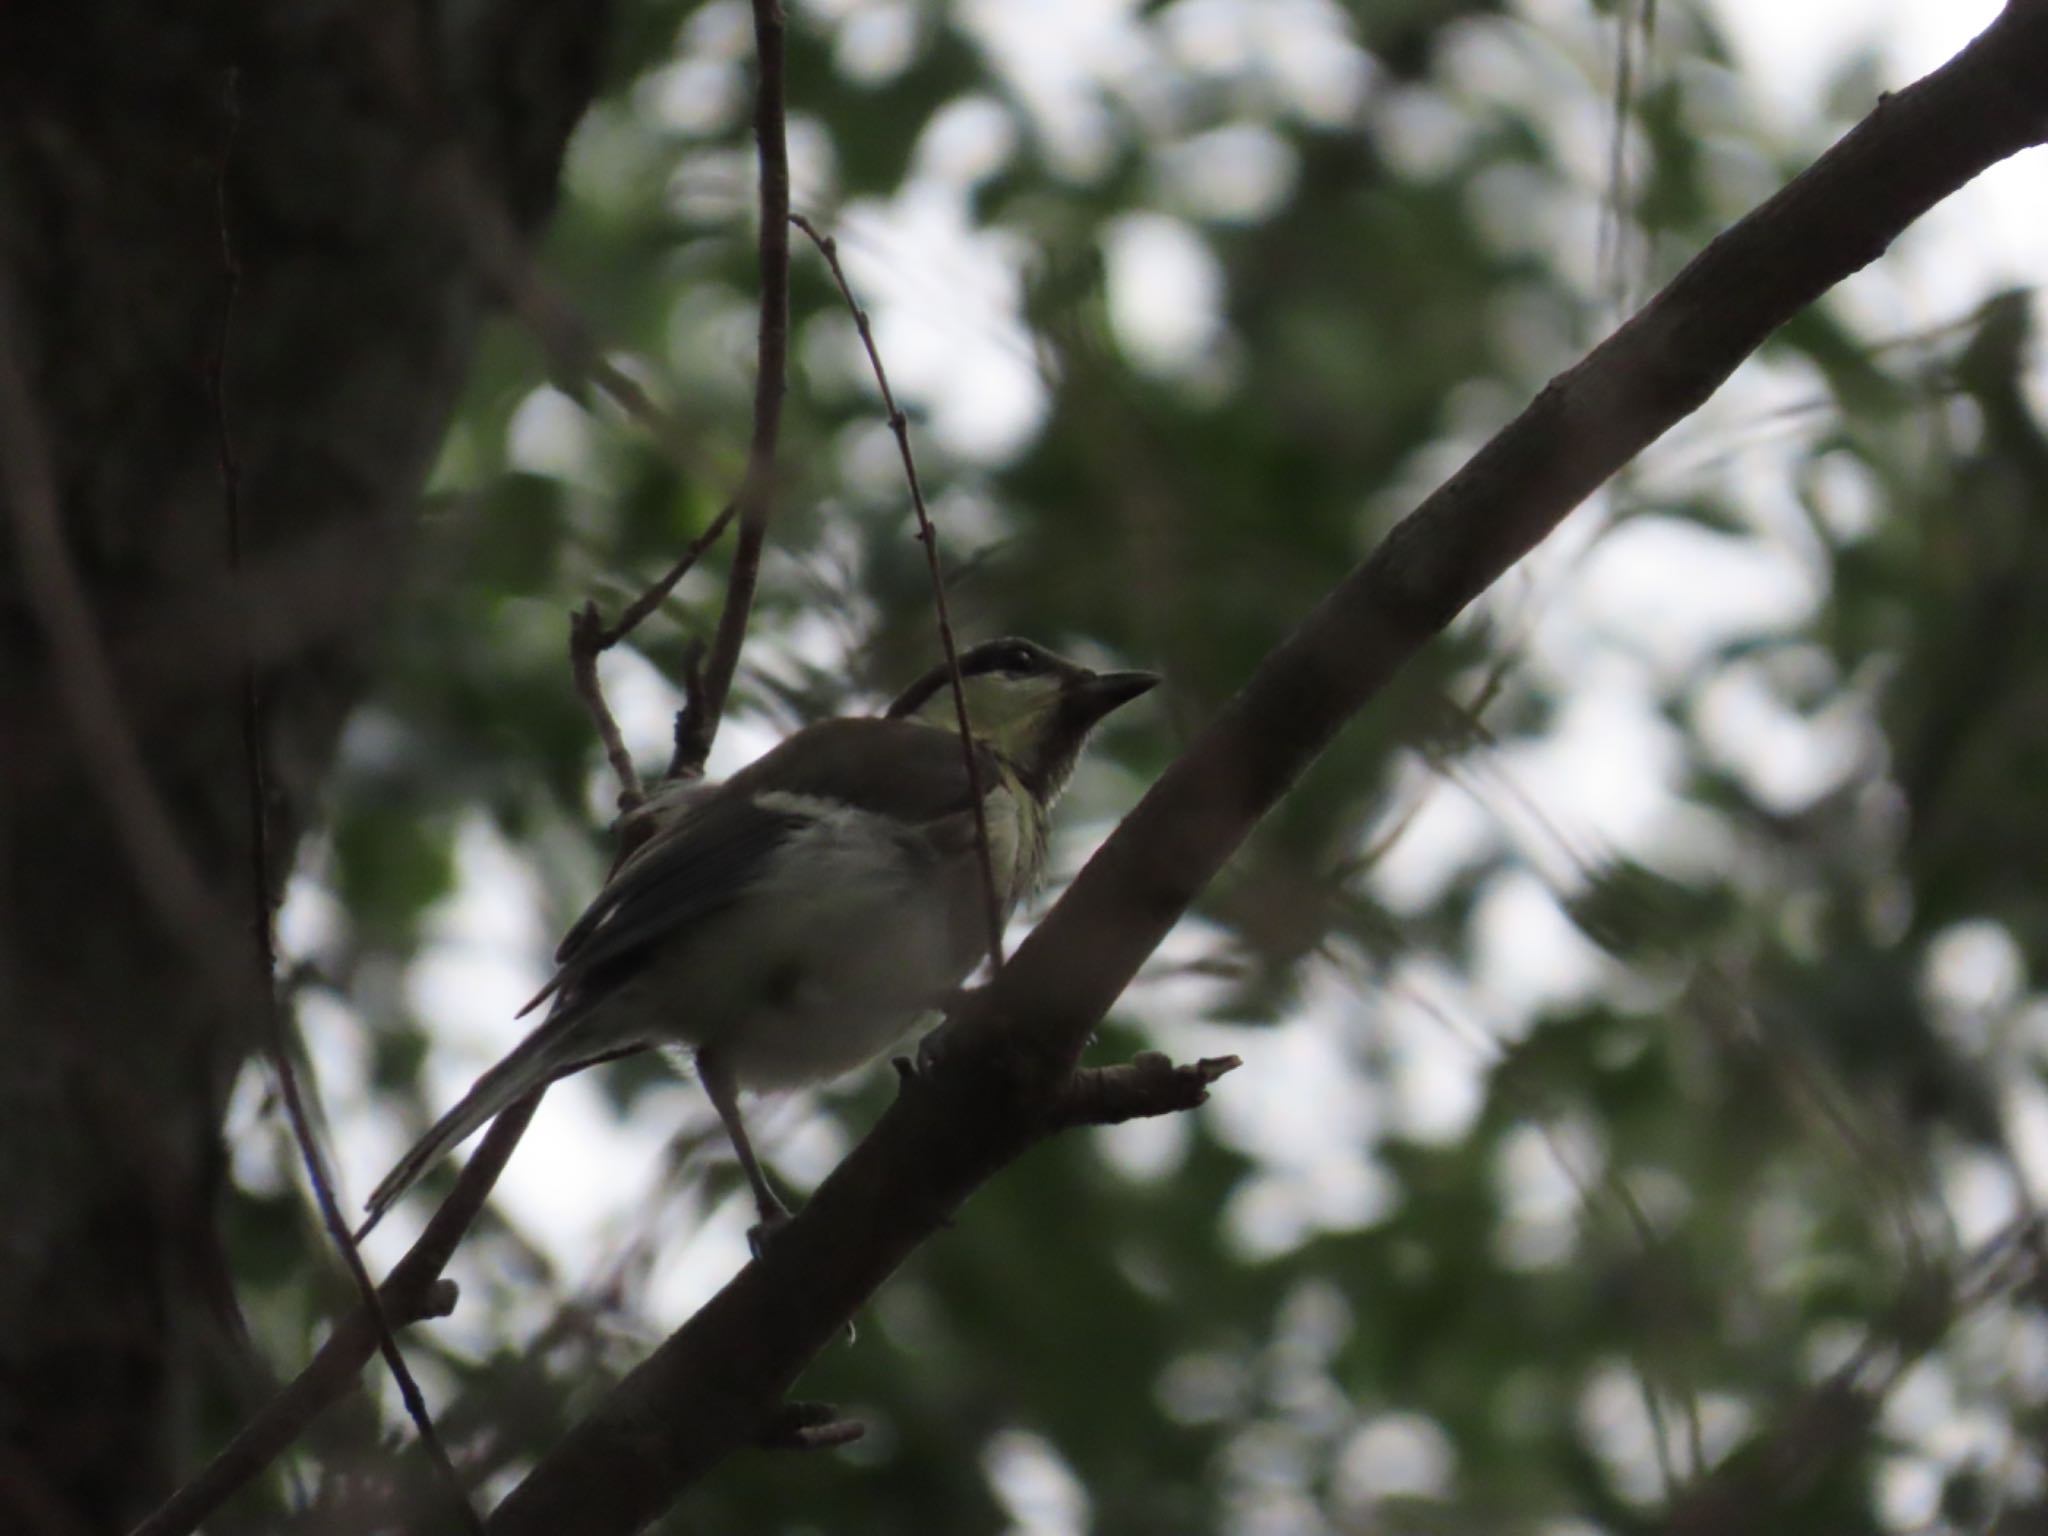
(1009, 657)
(1033, 709)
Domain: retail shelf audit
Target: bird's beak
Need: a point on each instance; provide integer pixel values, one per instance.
(1100, 692)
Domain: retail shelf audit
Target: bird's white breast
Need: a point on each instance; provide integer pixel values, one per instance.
(1016, 846)
(852, 934)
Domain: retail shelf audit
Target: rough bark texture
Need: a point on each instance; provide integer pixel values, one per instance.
(354, 313)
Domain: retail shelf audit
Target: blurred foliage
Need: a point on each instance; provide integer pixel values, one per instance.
(1478, 1256)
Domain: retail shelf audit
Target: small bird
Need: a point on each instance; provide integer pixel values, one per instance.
(794, 921)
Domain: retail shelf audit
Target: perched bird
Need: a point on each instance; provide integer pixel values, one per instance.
(794, 921)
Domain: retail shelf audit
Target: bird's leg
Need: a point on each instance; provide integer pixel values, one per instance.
(725, 1098)
(939, 1041)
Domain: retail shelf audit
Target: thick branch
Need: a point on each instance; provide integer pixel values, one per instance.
(715, 1383)
(1918, 146)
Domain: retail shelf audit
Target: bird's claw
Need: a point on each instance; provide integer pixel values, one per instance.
(933, 1050)
(764, 1231)
(761, 1236)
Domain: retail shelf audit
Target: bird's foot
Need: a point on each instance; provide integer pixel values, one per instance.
(761, 1237)
(939, 1042)
(933, 1051)
(763, 1232)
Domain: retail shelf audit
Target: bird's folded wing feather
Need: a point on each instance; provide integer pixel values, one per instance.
(905, 770)
(699, 865)
(908, 772)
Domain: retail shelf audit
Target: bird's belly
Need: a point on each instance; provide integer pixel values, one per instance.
(804, 979)
(841, 1012)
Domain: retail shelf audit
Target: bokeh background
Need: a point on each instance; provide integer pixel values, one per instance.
(1642, 1059)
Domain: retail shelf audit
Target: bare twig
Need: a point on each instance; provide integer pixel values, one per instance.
(705, 690)
(1148, 1084)
(256, 796)
(330, 1375)
(502, 259)
(757, 491)
(590, 638)
(1610, 258)
(806, 1426)
(586, 643)
(643, 605)
(411, 1293)
(686, 761)
(927, 536)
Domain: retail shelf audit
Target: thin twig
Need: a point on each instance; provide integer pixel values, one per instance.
(256, 795)
(1609, 257)
(643, 605)
(686, 761)
(411, 1293)
(808, 1426)
(928, 537)
(757, 491)
(587, 643)
(1146, 1085)
(590, 638)
(503, 260)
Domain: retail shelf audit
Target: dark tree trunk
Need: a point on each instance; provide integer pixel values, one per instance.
(354, 313)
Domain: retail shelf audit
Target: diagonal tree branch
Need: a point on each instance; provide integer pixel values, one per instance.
(712, 1386)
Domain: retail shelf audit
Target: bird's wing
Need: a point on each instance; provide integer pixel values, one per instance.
(704, 860)
(905, 770)
(699, 865)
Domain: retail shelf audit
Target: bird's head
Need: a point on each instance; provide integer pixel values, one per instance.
(1029, 706)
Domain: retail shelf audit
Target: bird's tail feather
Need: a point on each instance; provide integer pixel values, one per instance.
(534, 1063)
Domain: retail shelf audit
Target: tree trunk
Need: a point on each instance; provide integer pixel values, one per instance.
(328, 134)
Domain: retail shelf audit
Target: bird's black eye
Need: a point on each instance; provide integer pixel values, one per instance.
(1011, 658)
